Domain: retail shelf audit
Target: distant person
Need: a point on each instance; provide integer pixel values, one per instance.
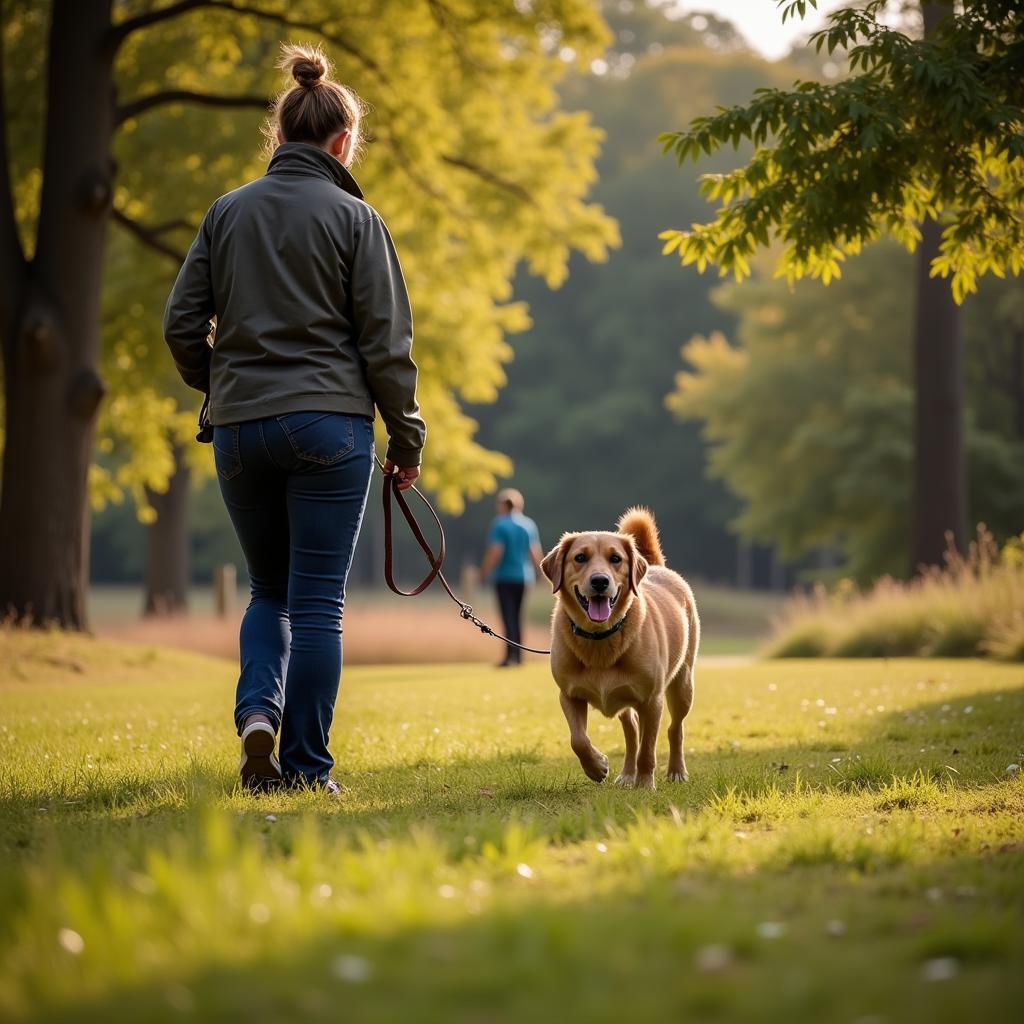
(314, 332)
(513, 555)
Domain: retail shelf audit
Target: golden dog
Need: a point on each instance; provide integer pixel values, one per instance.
(624, 640)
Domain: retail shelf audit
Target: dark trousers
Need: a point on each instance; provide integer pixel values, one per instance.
(295, 488)
(510, 601)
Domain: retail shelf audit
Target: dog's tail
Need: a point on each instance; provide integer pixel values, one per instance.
(639, 523)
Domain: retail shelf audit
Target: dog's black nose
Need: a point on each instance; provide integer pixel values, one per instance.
(599, 583)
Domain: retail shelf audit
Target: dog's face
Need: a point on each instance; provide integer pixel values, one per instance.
(597, 575)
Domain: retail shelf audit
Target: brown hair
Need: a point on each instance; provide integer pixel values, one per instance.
(315, 107)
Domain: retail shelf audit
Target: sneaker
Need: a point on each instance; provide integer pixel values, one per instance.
(330, 785)
(259, 768)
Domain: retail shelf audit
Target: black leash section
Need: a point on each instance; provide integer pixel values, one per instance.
(392, 494)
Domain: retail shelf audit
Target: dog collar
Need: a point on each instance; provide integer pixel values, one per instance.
(597, 636)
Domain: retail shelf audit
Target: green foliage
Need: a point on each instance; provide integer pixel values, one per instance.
(972, 607)
(810, 416)
(471, 161)
(921, 128)
(470, 872)
(585, 382)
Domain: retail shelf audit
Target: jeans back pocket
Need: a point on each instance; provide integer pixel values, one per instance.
(321, 437)
(226, 454)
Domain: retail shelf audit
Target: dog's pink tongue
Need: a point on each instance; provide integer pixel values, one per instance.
(599, 609)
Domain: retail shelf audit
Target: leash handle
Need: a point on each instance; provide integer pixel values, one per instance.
(391, 494)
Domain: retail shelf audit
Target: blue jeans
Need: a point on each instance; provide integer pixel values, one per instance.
(295, 487)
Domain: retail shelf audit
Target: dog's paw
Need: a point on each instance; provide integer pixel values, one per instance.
(595, 765)
(680, 776)
(645, 782)
(622, 779)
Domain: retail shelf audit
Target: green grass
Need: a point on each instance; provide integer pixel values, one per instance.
(849, 847)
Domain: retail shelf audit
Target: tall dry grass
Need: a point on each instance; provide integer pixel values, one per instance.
(973, 606)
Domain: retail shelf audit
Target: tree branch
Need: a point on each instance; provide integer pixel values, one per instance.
(177, 223)
(150, 235)
(121, 31)
(158, 99)
(306, 26)
(490, 177)
(407, 165)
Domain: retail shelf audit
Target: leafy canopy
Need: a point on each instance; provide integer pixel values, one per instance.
(921, 128)
(471, 161)
(810, 414)
(588, 376)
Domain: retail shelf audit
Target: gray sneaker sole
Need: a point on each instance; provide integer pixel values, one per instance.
(259, 768)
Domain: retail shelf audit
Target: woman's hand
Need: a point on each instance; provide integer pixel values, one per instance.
(404, 478)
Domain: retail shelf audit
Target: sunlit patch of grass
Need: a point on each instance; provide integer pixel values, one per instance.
(846, 823)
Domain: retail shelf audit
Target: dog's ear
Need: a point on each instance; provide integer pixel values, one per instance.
(553, 562)
(638, 565)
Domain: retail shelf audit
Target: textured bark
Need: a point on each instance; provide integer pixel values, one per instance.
(51, 332)
(167, 545)
(939, 504)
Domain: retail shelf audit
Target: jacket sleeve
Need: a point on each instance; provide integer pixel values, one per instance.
(189, 311)
(383, 329)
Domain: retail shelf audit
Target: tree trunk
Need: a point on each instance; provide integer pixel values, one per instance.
(167, 545)
(1017, 372)
(51, 327)
(939, 505)
(939, 493)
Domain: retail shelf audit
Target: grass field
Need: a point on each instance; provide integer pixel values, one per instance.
(850, 848)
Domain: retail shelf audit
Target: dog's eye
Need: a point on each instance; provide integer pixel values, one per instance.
(615, 559)
(580, 557)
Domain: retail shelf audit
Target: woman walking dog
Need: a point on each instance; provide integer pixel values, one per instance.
(313, 332)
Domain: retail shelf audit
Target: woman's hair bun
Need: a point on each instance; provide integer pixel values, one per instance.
(306, 64)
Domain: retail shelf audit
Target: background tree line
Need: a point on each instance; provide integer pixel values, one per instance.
(811, 446)
(135, 115)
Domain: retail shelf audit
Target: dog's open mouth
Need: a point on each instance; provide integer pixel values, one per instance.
(599, 607)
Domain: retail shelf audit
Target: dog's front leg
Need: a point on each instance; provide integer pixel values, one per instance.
(647, 759)
(594, 763)
(631, 734)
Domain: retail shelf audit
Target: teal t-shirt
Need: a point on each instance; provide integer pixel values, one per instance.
(515, 533)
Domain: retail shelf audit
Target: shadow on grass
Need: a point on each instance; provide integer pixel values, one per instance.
(668, 948)
(944, 740)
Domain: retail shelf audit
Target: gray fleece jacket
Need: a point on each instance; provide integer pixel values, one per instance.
(311, 306)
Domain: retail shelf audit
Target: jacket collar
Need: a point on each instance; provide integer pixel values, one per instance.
(305, 159)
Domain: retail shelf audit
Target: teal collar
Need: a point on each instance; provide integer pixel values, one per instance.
(597, 636)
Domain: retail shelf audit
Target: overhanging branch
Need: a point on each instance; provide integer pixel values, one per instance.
(149, 235)
(320, 28)
(122, 31)
(485, 174)
(160, 99)
(176, 224)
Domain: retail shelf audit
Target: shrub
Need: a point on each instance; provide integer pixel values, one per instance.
(972, 606)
